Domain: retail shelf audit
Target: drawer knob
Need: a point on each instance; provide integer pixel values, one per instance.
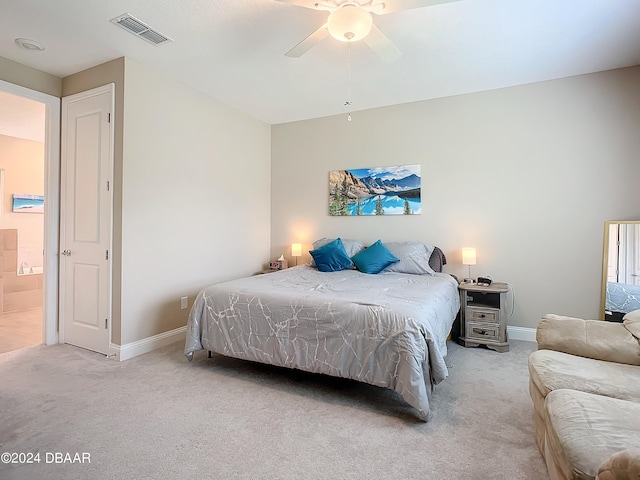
(481, 331)
(482, 315)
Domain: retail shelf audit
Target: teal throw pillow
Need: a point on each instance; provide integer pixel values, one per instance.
(374, 259)
(331, 257)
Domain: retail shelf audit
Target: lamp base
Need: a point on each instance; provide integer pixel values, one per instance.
(468, 280)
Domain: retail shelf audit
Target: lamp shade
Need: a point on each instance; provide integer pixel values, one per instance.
(468, 256)
(349, 23)
(296, 249)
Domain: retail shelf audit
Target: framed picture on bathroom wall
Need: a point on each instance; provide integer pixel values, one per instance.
(24, 203)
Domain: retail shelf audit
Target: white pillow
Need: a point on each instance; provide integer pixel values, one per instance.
(351, 246)
(414, 258)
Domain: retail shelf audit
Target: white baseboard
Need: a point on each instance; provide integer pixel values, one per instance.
(146, 345)
(521, 333)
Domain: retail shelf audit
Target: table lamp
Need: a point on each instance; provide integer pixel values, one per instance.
(469, 258)
(296, 251)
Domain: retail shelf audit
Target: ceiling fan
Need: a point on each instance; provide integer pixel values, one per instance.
(351, 20)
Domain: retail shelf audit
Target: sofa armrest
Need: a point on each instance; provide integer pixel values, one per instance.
(623, 465)
(596, 339)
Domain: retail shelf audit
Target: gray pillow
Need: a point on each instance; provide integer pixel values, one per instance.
(414, 258)
(352, 247)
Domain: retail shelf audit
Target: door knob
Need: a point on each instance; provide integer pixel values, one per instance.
(66, 253)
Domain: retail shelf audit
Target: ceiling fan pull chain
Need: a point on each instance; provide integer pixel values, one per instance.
(348, 102)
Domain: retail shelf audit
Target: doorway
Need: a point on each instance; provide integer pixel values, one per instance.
(43, 276)
(22, 122)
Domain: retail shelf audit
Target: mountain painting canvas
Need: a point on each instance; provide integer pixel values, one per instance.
(375, 191)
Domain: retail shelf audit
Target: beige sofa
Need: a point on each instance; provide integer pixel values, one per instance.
(585, 385)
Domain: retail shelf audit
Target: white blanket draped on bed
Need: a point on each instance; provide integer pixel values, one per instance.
(388, 329)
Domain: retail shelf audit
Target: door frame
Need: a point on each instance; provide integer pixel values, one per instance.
(51, 205)
(109, 88)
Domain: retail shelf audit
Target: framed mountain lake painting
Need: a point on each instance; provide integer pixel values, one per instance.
(375, 191)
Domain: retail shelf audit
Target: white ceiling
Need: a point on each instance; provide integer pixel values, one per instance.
(234, 49)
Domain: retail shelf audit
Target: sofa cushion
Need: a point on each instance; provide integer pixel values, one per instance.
(633, 315)
(631, 322)
(584, 430)
(607, 341)
(550, 370)
(621, 465)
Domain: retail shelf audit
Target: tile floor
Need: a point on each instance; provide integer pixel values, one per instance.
(20, 329)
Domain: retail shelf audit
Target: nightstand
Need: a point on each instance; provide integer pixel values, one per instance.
(483, 316)
(268, 270)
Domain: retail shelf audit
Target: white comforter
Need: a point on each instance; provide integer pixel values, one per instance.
(387, 330)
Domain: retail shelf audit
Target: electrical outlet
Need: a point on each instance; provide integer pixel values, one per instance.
(184, 302)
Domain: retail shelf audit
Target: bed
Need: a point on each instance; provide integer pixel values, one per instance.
(620, 299)
(387, 329)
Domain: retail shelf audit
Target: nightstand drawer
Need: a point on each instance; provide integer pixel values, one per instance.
(486, 315)
(483, 331)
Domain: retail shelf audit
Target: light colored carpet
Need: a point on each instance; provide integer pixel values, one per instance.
(158, 416)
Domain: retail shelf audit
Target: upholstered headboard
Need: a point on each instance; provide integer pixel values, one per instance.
(437, 260)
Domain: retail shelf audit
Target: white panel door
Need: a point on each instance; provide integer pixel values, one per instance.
(86, 219)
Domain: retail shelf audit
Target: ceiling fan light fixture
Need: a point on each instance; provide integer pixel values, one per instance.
(349, 23)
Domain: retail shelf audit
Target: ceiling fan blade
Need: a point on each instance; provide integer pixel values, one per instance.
(312, 4)
(381, 45)
(308, 43)
(385, 7)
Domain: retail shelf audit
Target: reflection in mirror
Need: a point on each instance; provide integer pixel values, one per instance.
(620, 270)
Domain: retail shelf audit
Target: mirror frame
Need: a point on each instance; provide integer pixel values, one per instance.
(605, 260)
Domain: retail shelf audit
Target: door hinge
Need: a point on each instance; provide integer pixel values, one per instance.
(108, 185)
(108, 117)
(105, 323)
(106, 254)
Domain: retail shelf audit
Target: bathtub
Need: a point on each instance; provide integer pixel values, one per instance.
(30, 270)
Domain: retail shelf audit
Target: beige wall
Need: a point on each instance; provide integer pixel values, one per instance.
(23, 164)
(551, 161)
(195, 198)
(527, 175)
(192, 195)
(28, 77)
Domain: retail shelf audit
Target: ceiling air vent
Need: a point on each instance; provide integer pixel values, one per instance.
(140, 29)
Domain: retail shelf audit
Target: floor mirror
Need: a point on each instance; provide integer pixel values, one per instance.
(620, 270)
